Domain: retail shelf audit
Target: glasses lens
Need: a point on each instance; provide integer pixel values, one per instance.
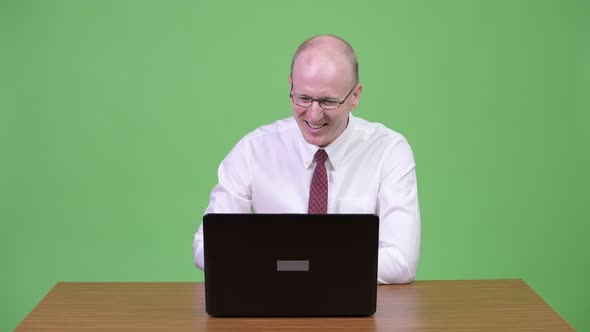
(329, 104)
(303, 101)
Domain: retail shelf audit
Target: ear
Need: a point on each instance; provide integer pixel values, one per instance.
(356, 96)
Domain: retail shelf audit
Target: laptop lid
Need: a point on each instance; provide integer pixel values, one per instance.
(291, 264)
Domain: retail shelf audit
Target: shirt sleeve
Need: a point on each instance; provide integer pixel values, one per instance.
(232, 194)
(399, 215)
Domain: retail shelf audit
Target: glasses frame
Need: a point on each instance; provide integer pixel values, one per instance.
(321, 100)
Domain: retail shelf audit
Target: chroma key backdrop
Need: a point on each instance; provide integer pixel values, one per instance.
(115, 114)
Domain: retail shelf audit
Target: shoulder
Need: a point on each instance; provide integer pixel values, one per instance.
(279, 127)
(375, 133)
(278, 132)
(271, 138)
(387, 147)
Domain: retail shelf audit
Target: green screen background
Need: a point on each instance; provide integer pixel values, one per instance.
(116, 114)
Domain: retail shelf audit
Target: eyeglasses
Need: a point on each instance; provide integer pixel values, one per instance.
(326, 104)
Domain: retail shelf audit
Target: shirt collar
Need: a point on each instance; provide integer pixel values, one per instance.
(335, 150)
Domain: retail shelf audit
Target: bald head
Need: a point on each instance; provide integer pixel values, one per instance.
(328, 47)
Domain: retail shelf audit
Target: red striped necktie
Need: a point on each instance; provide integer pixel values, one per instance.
(318, 193)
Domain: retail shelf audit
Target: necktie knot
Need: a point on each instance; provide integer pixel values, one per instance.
(320, 156)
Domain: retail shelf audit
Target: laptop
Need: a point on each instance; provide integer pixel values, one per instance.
(290, 264)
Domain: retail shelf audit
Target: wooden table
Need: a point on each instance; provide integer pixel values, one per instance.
(471, 305)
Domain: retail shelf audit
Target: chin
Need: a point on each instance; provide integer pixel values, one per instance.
(314, 140)
(318, 142)
(311, 139)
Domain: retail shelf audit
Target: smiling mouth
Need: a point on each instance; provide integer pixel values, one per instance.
(316, 126)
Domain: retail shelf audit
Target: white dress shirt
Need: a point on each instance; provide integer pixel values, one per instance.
(370, 169)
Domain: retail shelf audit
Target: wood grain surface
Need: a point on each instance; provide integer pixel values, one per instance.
(466, 305)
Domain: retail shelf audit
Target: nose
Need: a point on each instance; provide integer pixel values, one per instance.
(315, 111)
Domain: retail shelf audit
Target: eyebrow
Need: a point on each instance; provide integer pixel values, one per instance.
(321, 98)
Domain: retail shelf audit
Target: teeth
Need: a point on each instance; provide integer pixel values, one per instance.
(315, 126)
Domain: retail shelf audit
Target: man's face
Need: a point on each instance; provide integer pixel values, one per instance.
(323, 77)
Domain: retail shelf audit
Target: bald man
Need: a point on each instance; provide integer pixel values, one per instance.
(369, 168)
